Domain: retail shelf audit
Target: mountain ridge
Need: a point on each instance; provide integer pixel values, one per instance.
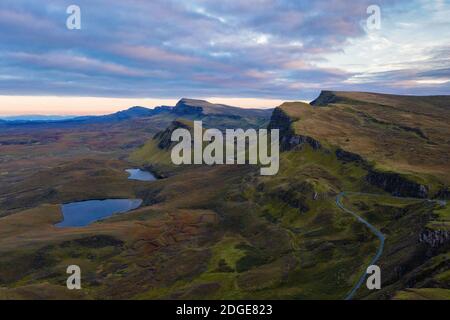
(403, 134)
(184, 107)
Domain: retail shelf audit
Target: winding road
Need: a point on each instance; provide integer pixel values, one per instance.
(377, 232)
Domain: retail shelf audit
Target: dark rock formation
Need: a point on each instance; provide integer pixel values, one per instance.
(348, 156)
(325, 98)
(280, 120)
(397, 185)
(298, 140)
(161, 109)
(183, 108)
(288, 139)
(434, 238)
(444, 193)
(164, 138)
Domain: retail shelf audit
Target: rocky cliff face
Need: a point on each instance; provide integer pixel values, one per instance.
(288, 139)
(348, 156)
(164, 138)
(325, 98)
(393, 183)
(396, 184)
(183, 108)
(435, 238)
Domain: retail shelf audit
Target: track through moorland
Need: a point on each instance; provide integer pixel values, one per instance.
(377, 232)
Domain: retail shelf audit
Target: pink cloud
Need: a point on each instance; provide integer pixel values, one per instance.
(75, 63)
(153, 54)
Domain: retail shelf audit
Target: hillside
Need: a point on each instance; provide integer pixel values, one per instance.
(155, 153)
(299, 203)
(388, 152)
(404, 134)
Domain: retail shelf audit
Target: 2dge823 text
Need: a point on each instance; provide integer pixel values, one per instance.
(246, 309)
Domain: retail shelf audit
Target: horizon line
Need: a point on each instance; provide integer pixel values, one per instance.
(16, 105)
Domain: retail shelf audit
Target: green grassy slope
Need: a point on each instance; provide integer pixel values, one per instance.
(407, 135)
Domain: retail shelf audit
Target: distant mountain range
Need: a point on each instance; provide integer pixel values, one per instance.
(36, 117)
(192, 108)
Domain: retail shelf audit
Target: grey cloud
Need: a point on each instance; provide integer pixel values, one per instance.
(161, 48)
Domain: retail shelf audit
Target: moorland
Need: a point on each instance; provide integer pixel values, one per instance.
(226, 232)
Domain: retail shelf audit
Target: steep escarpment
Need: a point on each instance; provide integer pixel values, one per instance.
(435, 238)
(289, 139)
(362, 150)
(400, 134)
(164, 138)
(396, 184)
(325, 98)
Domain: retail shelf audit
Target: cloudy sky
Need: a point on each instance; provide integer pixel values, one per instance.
(247, 53)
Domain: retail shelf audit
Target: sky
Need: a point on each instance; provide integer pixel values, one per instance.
(253, 53)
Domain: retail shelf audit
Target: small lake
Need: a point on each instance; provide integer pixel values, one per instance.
(81, 214)
(140, 175)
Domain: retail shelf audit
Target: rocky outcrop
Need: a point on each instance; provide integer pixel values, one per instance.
(444, 193)
(163, 109)
(397, 185)
(325, 98)
(348, 156)
(435, 238)
(288, 139)
(281, 121)
(183, 108)
(298, 140)
(164, 138)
